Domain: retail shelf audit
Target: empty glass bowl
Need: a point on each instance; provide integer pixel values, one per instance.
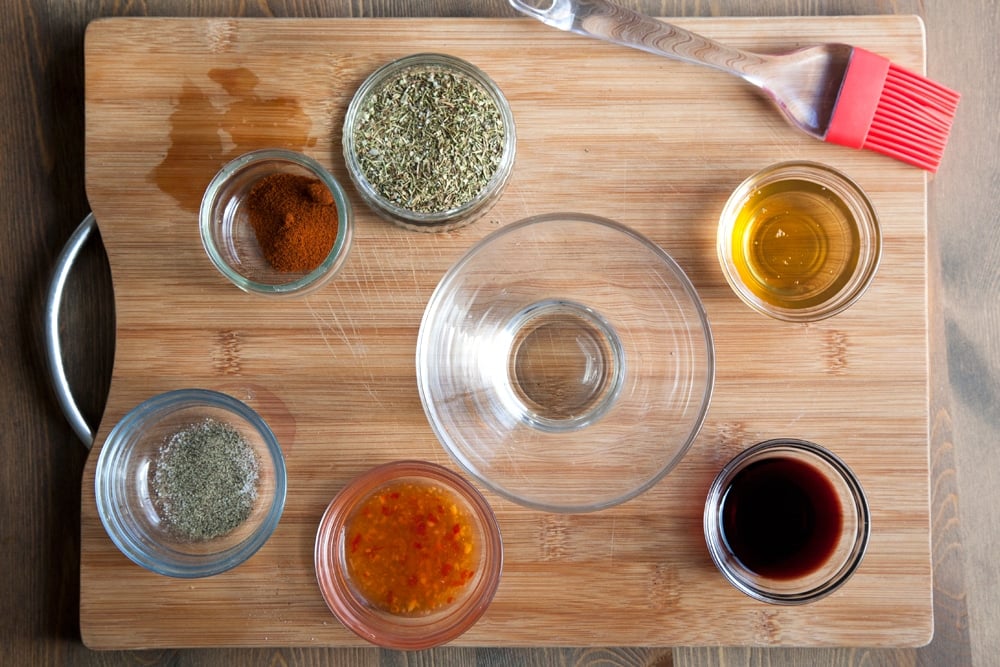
(408, 555)
(566, 362)
(230, 240)
(149, 526)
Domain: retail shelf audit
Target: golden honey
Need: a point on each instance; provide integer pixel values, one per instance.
(795, 243)
(799, 241)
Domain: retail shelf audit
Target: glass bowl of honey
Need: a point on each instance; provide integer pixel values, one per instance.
(787, 522)
(408, 555)
(799, 241)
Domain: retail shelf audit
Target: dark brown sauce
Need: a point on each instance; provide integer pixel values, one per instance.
(212, 125)
(781, 518)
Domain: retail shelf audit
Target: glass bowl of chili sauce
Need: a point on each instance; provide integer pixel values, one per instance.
(276, 222)
(408, 555)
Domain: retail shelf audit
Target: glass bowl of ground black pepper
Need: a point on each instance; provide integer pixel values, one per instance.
(408, 555)
(429, 141)
(276, 222)
(190, 483)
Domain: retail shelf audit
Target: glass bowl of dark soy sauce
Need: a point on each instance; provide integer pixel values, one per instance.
(787, 522)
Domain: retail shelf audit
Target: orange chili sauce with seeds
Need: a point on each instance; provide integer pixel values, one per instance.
(411, 548)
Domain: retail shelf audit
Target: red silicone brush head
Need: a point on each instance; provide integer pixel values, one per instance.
(891, 110)
(913, 119)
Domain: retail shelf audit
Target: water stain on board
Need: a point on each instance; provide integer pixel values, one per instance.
(269, 406)
(210, 126)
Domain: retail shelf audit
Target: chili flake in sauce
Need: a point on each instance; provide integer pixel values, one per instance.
(411, 548)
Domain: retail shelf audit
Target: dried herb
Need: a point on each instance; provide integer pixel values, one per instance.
(429, 140)
(205, 480)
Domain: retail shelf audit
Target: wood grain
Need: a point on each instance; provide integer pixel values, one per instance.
(965, 354)
(333, 373)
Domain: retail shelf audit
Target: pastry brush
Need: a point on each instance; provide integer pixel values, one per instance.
(834, 92)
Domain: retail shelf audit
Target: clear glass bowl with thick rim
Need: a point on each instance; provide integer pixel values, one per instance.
(847, 252)
(230, 242)
(126, 500)
(436, 221)
(367, 620)
(846, 549)
(566, 361)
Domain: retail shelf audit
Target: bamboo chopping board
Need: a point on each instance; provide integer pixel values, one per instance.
(654, 144)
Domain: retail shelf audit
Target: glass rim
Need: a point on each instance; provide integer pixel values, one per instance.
(456, 445)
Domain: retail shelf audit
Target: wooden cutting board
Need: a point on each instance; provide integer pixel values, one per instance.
(654, 144)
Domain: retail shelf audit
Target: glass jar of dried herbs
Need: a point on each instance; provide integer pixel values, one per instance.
(429, 142)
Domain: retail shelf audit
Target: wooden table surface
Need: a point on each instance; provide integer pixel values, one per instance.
(41, 167)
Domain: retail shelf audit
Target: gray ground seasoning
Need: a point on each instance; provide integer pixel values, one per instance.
(429, 140)
(205, 480)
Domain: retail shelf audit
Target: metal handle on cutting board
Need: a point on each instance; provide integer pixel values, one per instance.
(53, 347)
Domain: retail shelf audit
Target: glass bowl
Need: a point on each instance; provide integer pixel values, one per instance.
(566, 362)
(231, 242)
(799, 241)
(147, 469)
(413, 193)
(408, 555)
(787, 522)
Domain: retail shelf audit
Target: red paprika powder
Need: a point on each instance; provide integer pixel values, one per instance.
(295, 220)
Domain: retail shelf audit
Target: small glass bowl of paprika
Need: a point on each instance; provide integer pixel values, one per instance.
(276, 222)
(408, 555)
